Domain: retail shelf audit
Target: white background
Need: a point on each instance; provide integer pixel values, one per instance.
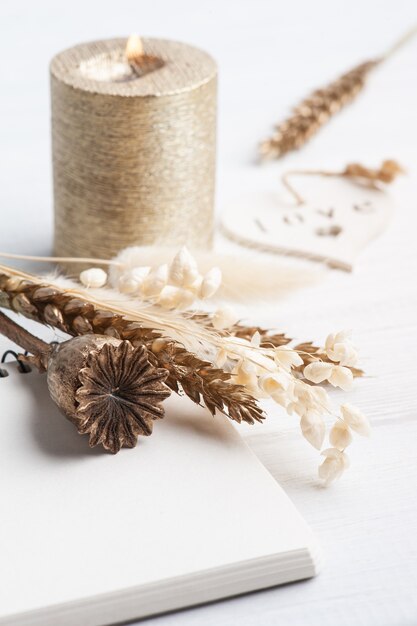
(271, 54)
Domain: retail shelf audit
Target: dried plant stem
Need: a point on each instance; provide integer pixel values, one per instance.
(386, 173)
(59, 259)
(23, 338)
(402, 41)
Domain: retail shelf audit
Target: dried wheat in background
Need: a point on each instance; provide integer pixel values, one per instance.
(310, 115)
(314, 111)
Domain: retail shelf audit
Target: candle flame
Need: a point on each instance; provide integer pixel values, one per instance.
(134, 48)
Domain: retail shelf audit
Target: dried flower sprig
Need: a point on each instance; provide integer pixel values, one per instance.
(205, 359)
(386, 173)
(316, 110)
(176, 285)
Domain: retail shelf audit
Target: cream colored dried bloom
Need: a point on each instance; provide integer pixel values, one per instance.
(340, 349)
(334, 464)
(93, 277)
(320, 399)
(308, 398)
(275, 383)
(245, 374)
(285, 397)
(210, 283)
(337, 375)
(131, 282)
(238, 348)
(313, 429)
(224, 318)
(175, 298)
(287, 358)
(345, 354)
(183, 271)
(155, 281)
(256, 339)
(318, 371)
(355, 419)
(340, 436)
(338, 337)
(341, 377)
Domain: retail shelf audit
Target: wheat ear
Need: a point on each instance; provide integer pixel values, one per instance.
(314, 111)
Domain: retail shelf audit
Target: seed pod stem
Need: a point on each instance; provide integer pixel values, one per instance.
(23, 338)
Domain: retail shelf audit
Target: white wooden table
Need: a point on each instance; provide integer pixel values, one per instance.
(270, 54)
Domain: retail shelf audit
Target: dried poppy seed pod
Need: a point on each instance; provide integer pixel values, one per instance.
(107, 389)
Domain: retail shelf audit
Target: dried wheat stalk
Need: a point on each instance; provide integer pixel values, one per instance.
(75, 315)
(315, 110)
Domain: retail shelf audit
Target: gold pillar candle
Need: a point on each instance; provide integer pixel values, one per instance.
(133, 147)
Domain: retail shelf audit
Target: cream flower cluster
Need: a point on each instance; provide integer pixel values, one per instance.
(274, 373)
(341, 351)
(174, 286)
(340, 436)
(264, 371)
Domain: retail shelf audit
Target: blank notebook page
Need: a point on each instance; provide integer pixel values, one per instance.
(189, 515)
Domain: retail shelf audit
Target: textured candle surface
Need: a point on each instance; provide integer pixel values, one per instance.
(133, 156)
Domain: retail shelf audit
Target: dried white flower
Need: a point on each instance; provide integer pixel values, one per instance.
(155, 281)
(337, 375)
(170, 297)
(245, 374)
(126, 284)
(307, 398)
(318, 371)
(224, 318)
(94, 277)
(320, 399)
(183, 271)
(210, 283)
(335, 463)
(356, 419)
(345, 353)
(313, 429)
(334, 338)
(186, 300)
(275, 383)
(132, 281)
(286, 397)
(256, 339)
(341, 376)
(340, 436)
(340, 349)
(287, 357)
(196, 286)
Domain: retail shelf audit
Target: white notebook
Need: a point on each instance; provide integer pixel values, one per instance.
(188, 516)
